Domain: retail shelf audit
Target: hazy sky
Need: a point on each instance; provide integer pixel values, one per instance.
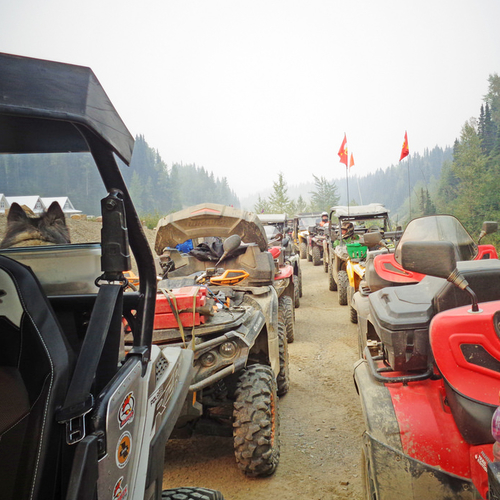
(249, 89)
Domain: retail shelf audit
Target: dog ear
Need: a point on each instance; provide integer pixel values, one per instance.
(16, 213)
(55, 213)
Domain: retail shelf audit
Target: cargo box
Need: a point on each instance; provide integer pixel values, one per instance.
(401, 317)
(183, 299)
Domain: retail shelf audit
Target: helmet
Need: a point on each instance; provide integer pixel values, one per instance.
(324, 213)
(347, 229)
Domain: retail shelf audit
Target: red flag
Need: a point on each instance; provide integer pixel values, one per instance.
(343, 151)
(405, 151)
(351, 161)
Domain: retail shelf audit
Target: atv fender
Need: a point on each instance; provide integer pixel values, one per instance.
(391, 473)
(362, 305)
(267, 342)
(354, 272)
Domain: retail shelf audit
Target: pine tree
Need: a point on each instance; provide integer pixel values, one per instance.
(469, 166)
(325, 195)
(261, 207)
(301, 205)
(278, 201)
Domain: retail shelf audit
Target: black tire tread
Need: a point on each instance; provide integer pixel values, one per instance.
(316, 255)
(286, 315)
(303, 250)
(296, 291)
(256, 439)
(191, 494)
(343, 284)
(332, 284)
(283, 379)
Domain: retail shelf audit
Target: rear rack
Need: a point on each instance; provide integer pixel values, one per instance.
(403, 379)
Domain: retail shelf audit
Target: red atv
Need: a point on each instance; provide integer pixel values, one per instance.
(429, 395)
(383, 270)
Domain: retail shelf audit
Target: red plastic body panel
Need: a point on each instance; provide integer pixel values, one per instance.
(275, 252)
(448, 331)
(486, 252)
(388, 269)
(429, 433)
(427, 427)
(284, 272)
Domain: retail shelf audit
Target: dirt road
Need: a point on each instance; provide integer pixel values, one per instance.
(321, 421)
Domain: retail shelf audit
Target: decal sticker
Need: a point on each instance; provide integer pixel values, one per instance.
(127, 410)
(123, 449)
(120, 492)
(483, 460)
(163, 395)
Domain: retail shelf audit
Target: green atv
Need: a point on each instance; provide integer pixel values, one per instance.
(347, 249)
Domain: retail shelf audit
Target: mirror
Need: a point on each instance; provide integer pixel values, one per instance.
(489, 227)
(435, 258)
(231, 243)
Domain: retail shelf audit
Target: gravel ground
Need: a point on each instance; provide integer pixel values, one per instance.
(321, 420)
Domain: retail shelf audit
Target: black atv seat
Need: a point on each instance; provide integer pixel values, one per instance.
(34, 365)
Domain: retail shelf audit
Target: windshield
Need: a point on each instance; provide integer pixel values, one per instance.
(271, 231)
(440, 228)
(305, 222)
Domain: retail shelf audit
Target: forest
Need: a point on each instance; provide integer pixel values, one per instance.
(155, 188)
(463, 179)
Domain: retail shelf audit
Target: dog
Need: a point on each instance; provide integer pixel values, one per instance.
(23, 230)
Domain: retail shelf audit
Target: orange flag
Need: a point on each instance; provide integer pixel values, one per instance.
(351, 161)
(405, 151)
(343, 152)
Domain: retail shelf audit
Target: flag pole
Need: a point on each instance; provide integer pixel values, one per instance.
(347, 179)
(409, 185)
(405, 151)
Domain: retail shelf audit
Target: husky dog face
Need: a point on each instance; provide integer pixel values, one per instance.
(47, 229)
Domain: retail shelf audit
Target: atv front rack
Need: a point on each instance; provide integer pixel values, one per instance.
(376, 371)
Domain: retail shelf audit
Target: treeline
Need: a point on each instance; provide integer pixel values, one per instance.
(321, 198)
(419, 173)
(155, 188)
(469, 187)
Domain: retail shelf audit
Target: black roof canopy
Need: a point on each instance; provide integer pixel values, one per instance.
(44, 103)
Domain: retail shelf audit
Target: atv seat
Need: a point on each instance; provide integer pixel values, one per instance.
(34, 365)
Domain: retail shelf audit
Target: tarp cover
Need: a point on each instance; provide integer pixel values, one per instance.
(41, 101)
(209, 219)
(374, 209)
(272, 218)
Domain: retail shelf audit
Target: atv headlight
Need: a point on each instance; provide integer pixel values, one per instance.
(208, 359)
(228, 349)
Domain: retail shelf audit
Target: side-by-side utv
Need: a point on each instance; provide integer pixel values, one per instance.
(80, 420)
